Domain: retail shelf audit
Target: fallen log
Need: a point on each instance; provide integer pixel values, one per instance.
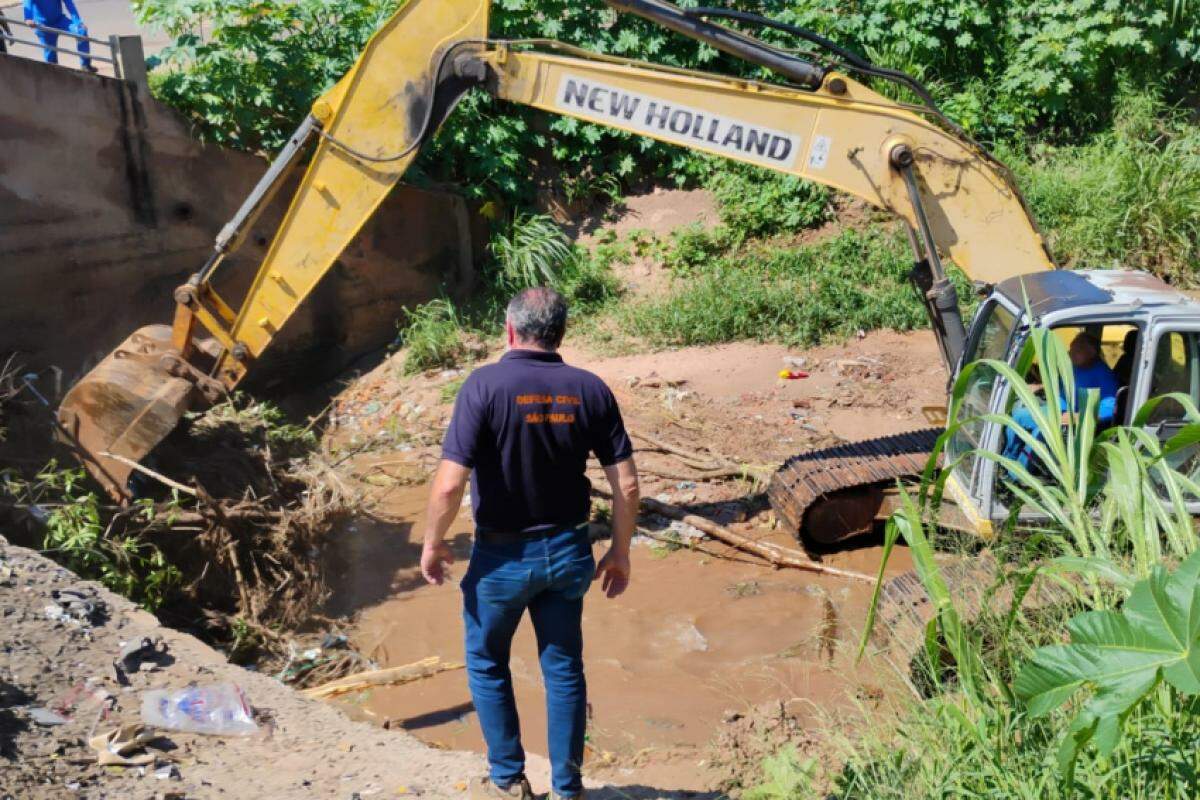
(773, 554)
(382, 677)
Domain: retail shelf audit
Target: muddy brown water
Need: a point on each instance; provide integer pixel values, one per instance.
(696, 635)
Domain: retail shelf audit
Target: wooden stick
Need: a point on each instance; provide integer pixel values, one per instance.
(667, 447)
(748, 473)
(129, 462)
(382, 677)
(774, 554)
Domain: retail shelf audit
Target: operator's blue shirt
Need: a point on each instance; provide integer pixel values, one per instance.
(1098, 376)
(47, 12)
(1101, 377)
(525, 427)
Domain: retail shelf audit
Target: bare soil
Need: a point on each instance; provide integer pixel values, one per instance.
(306, 750)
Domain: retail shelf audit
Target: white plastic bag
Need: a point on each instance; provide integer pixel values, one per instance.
(220, 709)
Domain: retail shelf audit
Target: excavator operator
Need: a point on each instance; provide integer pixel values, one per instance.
(1090, 372)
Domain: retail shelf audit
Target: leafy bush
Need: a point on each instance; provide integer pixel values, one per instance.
(247, 71)
(535, 251)
(1123, 656)
(999, 67)
(757, 202)
(87, 539)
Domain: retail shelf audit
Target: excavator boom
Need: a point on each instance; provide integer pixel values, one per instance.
(956, 200)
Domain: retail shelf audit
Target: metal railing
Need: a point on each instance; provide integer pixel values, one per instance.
(112, 44)
(125, 53)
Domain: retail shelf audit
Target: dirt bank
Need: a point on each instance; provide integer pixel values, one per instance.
(310, 750)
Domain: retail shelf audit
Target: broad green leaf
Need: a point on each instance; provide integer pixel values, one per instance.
(1120, 656)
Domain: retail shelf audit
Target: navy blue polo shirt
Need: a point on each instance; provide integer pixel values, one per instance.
(525, 427)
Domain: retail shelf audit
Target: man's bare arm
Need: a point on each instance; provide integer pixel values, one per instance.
(445, 498)
(613, 570)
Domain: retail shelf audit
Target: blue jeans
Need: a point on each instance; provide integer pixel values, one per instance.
(49, 39)
(548, 575)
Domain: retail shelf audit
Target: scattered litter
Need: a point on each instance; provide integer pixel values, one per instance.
(796, 362)
(673, 397)
(167, 772)
(44, 716)
(115, 747)
(792, 374)
(140, 655)
(685, 532)
(77, 607)
(333, 659)
(219, 709)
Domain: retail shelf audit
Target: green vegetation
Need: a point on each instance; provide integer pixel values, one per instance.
(432, 335)
(994, 711)
(532, 252)
(755, 202)
(1129, 197)
(93, 540)
(855, 280)
(245, 71)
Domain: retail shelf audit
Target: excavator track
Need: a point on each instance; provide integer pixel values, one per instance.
(826, 496)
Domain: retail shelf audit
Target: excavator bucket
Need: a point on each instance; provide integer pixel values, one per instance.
(119, 412)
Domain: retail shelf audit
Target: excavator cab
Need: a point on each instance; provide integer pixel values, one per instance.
(1149, 336)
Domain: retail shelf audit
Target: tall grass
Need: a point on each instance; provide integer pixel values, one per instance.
(1129, 198)
(432, 335)
(858, 279)
(1116, 512)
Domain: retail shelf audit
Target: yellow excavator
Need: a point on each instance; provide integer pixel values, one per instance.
(818, 121)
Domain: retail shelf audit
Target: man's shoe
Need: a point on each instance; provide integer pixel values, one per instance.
(484, 789)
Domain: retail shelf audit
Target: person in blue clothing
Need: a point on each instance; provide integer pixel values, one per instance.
(63, 15)
(1090, 373)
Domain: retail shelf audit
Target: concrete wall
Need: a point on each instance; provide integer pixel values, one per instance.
(107, 203)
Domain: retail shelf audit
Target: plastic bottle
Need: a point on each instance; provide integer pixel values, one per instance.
(220, 709)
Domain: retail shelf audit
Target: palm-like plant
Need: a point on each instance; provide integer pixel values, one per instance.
(532, 252)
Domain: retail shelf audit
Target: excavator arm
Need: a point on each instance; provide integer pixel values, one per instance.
(955, 199)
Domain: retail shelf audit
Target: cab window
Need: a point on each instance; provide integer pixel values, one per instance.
(1175, 370)
(992, 343)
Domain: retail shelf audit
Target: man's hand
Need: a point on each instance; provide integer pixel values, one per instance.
(613, 572)
(434, 558)
(445, 498)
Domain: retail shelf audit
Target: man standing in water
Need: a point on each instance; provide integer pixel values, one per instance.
(522, 431)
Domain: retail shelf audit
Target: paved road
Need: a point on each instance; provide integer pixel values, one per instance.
(103, 18)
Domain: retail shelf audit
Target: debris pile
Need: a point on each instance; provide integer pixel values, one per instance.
(226, 536)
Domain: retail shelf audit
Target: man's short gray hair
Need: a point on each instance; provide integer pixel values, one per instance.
(539, 316)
